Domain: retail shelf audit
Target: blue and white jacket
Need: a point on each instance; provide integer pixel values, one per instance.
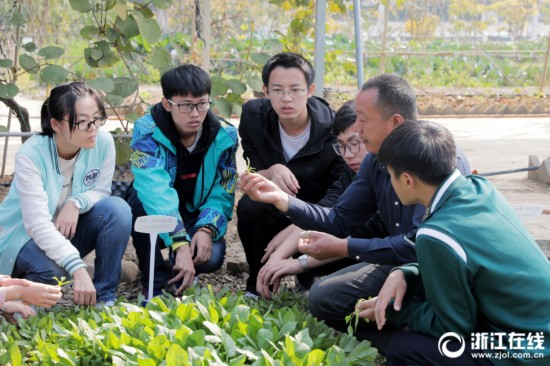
(155, 162)
(27, 211)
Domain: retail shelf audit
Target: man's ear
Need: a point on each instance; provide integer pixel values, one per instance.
(408, 179)
(397, 120)
(166, 104)
(311, 90)
(264, 89)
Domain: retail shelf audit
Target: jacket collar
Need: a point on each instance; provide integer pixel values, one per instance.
(321, 117)
(444, 191)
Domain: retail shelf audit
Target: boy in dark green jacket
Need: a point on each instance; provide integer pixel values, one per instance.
(480, 292)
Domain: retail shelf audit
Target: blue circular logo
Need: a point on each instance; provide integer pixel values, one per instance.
(91, 177)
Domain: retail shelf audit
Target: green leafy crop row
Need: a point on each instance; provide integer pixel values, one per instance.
(202, 328)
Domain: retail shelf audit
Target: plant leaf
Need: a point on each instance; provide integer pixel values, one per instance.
(149, 29)
(176, 356)
(124, 87)
(51, 52)
(259, 58)
(256, 83)
(223, 107)
(15, 355)
(54, 74)
(162, 4)
(6, 63)
(128, 26)
(105, 84)
(89, 32)
(161, 59)
(29, 47)
(28, 63)
(8, 91)
(236, 86)
(82, 6)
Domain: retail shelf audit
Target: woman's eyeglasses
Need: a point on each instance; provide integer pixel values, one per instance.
(86, 125)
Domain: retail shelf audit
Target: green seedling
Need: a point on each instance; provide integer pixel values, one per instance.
(61, 281)
(249, 168)
(354, 317)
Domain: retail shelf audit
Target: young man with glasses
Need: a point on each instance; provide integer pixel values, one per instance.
(287, 138)
(383, 103)
(282, 256)
(184, 165)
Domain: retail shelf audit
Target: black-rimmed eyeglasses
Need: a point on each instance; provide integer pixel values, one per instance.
(352, 146)
(86, 125)
(188, 107)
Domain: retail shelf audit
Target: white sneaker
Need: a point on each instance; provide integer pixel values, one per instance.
(102, 304)
(250, 295)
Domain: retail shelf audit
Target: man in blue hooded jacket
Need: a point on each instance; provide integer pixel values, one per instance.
(184, 165)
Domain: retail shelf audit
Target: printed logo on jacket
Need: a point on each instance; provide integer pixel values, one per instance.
(91, 177)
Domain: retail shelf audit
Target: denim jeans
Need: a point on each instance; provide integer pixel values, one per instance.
(105, 228)
(163, 271)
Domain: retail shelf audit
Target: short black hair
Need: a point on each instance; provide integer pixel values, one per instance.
(422, 148)
(288, 60)
(395, 96)
(61, 104)
(344, 118)
(185, 79)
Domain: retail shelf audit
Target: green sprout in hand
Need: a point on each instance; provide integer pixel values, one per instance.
(61, 281)
(354, 317)
(249, 168)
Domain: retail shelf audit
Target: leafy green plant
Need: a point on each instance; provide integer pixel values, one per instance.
(62, 281)
(200, 328)
(249, 168)
(353, 319)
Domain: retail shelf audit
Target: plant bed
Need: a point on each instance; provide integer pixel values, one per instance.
(201, 328)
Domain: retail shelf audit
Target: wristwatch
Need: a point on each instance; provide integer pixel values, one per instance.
(303, 262)
(76, 204)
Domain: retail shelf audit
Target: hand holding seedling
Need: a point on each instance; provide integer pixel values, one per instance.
(261, 189)
(395, 288)
(322, 246)
(40, 294)
(352, 320)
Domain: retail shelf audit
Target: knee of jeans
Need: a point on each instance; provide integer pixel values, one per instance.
(116, 212)
(47, 275)
(216, 260)
(316, 298)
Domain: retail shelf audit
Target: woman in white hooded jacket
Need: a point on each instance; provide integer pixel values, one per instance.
(59, 207)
